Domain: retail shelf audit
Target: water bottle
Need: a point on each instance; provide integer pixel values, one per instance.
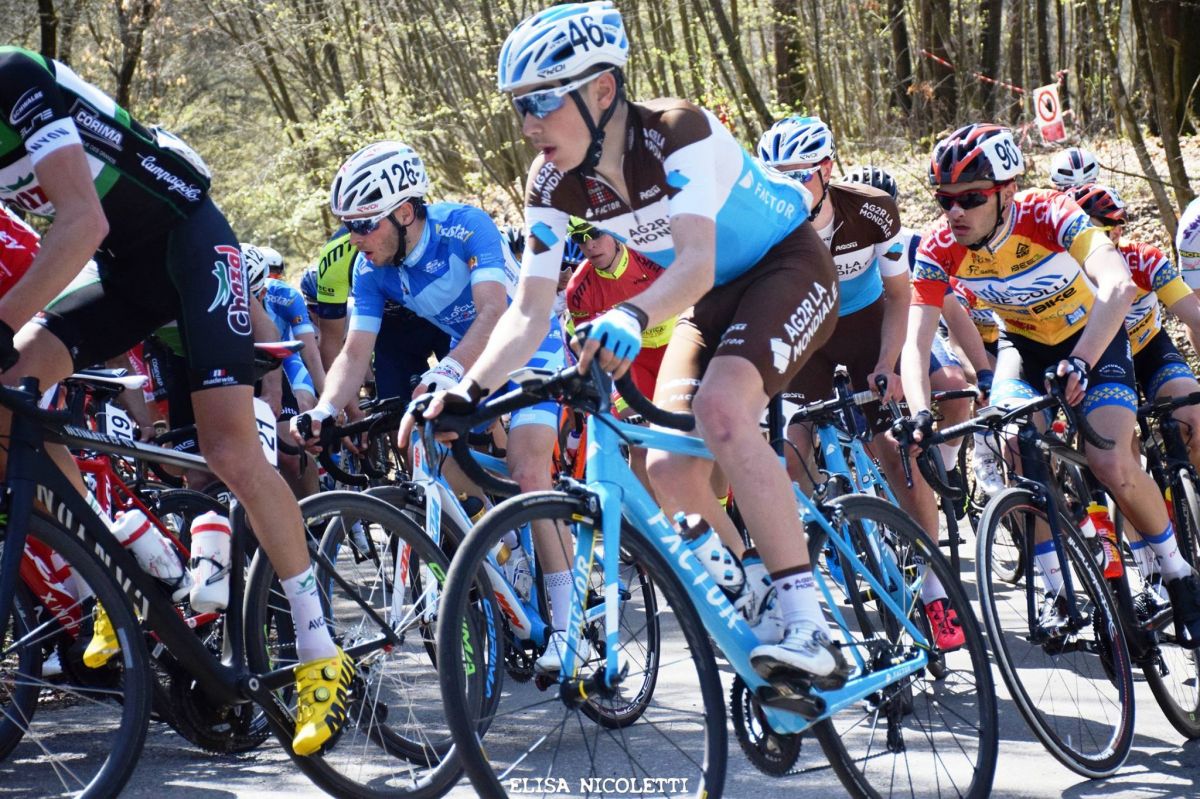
(718, 561)
(209, 565)
(154, 552)
(1107, 531)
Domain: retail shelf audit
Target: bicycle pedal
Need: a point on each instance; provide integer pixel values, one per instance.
(792, 697)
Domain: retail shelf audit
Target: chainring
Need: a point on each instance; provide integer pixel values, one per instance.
(772, 753)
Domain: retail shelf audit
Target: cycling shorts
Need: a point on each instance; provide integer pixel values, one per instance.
(549, 355)
(855, 344)
(1158, 363)
(192, 273)
(941, 356)
(776, 315)
(1110, 382)
(402, 350)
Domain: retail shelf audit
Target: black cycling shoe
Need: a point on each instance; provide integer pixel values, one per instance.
(1185, 602)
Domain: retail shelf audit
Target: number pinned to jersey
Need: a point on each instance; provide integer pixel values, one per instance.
(264, 419)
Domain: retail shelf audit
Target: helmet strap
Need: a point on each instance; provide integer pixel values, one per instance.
(816, 209)
(591, 160)
(402, 247)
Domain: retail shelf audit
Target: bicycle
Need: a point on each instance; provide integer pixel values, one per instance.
(87, 735)
(612, 512)
(1084, 713)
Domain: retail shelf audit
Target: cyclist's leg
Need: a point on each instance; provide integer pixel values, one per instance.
(402, 352)
(1168, 375)
(813, 383)
(205, 266)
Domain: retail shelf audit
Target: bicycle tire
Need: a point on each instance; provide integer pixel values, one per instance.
(912, 757)
(64, 746)
(1174, 675)
(500, 758)
(1100, 665)
(345, 765)
(18, 698)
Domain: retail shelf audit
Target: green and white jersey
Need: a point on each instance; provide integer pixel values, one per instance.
(146, 178)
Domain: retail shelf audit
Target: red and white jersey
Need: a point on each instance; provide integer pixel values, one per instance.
(18, 246)
(1031, 274)
(1156, 279)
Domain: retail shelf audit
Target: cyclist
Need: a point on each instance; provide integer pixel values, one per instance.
(405, 341)
(18, 246)
(1187, 248)
(667, 178)
(137, 199)
(274, 261)
(1073, 167)
(1031, 255)
(861, 226)
(1161, 369)
(308, 290)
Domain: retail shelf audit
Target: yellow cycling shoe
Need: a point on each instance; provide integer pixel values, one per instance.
(104, 642)
(321, 686)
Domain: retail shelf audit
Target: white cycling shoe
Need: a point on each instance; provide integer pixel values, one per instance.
(805, 648)
(556, 648)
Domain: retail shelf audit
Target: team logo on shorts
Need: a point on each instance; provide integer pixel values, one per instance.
(231, 289)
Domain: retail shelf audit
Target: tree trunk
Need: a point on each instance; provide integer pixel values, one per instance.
(1164, 97)
(1124, 107)
(935, 27)
(791, 80)
(990, 65)
(1042, 24)
(1016, 58)
(132, 21)
(745, 80)
(901, 55)
(48, 25)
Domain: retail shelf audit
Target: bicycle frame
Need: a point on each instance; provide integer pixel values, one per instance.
(620, 494)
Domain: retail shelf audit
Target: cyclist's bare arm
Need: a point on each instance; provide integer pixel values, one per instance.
(914, 358)
(333, 335)
(964, 333)
(1115, 291)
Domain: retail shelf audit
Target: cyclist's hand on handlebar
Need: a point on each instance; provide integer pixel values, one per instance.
(1075, 370)
(915, 428)
(305, 428)
(615, 339)
(461, 400)
(887, 383)
(983, 384)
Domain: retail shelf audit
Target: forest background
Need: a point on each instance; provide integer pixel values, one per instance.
(276, 93)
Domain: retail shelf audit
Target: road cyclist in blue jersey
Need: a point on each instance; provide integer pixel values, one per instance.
(755, 285)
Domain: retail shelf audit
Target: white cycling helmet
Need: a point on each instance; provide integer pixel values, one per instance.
(1073, 167)
(274, 259)
(793, 139)
(376, 179)
(255, 263)
(562, 42)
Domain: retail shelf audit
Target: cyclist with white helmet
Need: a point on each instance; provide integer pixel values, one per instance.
(1073, 167)
(274, 261)
(861, 226)
(1063, 291)
(670, 181)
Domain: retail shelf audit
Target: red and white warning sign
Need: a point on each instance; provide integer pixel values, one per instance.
(1049, 113)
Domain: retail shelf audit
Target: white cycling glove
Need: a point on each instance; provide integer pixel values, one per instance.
(447, 374)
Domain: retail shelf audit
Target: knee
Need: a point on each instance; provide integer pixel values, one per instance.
(667, 470)
(1114, 468)
(235, 463)
(532, 474)
(720, 419)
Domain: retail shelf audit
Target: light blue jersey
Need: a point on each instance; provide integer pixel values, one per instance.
(285, 305)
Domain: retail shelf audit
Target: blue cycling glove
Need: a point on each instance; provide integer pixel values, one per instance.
(983, 381)
(620, 330)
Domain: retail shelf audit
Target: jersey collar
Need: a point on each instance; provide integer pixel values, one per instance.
(417, 253)
(619, 268)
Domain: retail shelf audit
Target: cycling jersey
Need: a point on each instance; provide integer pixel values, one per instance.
(983, 317)
(864, 238)
(285, 305)
(909, 241)
(335, 275)
(18, 246)
(592, 291)
(678, 159)
(1156, 279)
(460, 247)
(1187, 243)
(148, 175)
(1031, 274)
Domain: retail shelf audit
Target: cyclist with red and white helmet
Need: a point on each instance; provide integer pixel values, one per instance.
(1063, 291)
(1073, 167)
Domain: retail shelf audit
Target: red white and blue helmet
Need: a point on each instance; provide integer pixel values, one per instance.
(1101, 202)
(979, 151)
(562, 42)
(796, 139)
(1073, 167)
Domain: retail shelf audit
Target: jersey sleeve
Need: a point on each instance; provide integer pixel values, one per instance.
(33, 106)
(484, 249)
(297, 313)
(366, 312)
(544, 243)
(1073, 229)
(689, 168)
(1166, 280)
(931, 272)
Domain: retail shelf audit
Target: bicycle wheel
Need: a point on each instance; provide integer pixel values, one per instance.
(394, 741)
(543, 737)
(924, 735)
(22, 670)
(90, 725)
(1073, 686)
(1173, 673)
(177, 507)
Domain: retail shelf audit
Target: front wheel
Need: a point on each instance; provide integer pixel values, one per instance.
(639, 736)
(1068, 670)
(935, 732)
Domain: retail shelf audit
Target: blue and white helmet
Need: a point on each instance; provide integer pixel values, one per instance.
(794, 139)
(1073, 167)
(376, 179)
(562, 42)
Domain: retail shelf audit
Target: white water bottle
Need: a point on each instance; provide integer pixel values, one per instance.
(209, 565)
(153, 551)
